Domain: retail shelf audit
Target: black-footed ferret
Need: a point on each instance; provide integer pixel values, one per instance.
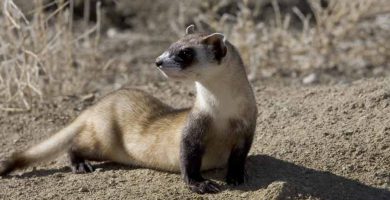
(132, 127)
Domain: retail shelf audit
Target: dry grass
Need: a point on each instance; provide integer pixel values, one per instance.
(340, 38)
(36, 53)
(48, 53)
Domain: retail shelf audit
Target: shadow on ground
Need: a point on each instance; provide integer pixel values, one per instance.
(105, 166)
(263, 171)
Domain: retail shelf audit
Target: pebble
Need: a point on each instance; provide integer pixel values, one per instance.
(348, 132)
(111, 33)
(58, 175)
(310, 79)
(99, 169)
(244, 195)
(16, 140)
(89, 97)
(325, 134)
(111, 182)
(83, 189)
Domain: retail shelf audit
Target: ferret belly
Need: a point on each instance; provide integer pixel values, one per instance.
(216, 154)
(145, 153)
(163, 153)
(154, 151)
(215, 160)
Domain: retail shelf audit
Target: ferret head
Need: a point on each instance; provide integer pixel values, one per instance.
(195, 57)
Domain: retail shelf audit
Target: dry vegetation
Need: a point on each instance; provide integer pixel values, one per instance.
(341, 37)
(44, 54)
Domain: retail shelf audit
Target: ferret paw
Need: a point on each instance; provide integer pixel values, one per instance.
(203, 187)
(235, 179)
(82, 167)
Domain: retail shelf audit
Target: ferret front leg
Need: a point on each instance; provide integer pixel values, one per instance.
(236, 163)
(191, 153)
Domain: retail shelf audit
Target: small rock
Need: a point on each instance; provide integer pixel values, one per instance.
(89, 97)
(83, 189)
(347, 167)
(272, 115)
(244, 195)
(16, 140)
(58, 175)
(325, 134)
(98, 169)
(348, 132)
(310, 79)
(111, 33)
(111, 182)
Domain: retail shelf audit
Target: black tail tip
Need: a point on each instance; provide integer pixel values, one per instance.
(16, 161)
(6, 167)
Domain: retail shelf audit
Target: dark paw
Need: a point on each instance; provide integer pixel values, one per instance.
(203, 187)
(82, 167)
(235, 179)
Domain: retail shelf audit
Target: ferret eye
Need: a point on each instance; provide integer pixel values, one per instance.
(185, 54)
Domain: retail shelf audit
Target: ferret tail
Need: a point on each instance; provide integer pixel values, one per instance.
(44, 151)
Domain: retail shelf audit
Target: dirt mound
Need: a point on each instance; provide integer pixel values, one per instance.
(320, 142)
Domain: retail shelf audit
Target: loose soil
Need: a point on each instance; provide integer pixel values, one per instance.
(312, 142)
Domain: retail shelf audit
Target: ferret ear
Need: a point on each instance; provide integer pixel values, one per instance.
(218, 43)
(190, 29)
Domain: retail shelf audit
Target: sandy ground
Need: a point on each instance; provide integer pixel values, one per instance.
(314, 142)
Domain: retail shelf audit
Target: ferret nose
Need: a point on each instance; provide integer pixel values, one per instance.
(159, 62)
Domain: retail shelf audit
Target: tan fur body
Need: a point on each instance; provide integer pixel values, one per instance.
(132, 127)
